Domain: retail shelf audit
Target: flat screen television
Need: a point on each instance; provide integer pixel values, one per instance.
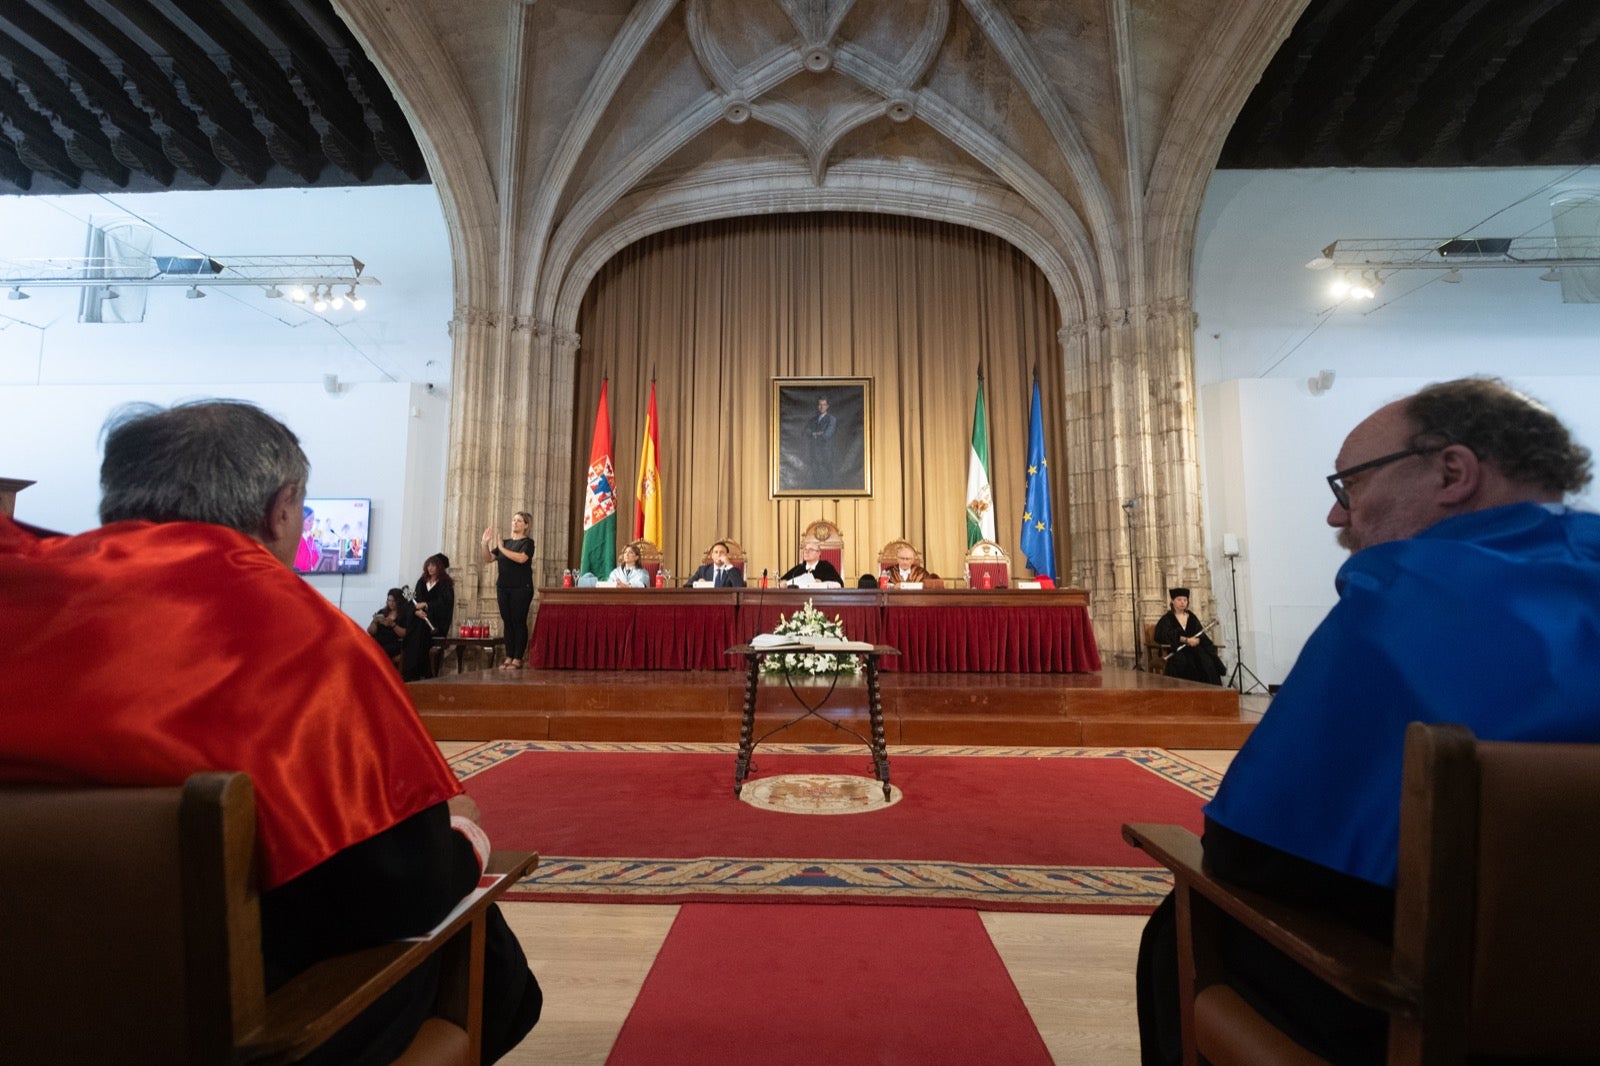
(334, 539)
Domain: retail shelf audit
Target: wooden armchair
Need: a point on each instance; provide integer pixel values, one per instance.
(132, 933)
(827, 534)
(986, 558)
(1496, 951)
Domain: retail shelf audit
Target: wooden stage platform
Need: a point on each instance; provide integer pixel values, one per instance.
(1113, 708)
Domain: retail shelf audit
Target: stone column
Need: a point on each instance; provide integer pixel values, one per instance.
(1130, 401)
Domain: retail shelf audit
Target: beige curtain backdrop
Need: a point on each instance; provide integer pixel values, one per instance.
(716, 311)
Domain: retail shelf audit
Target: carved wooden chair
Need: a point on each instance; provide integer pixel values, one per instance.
(988, 559)
(831, 539)
(1496, 951)
(132, 928)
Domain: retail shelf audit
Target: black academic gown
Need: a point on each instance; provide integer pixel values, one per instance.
(1199, 663)
(824, 571)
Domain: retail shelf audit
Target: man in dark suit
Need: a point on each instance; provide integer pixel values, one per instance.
(821, 429)
(813, 568)
(719, 571)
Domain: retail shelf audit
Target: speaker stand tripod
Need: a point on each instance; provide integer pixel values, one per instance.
(1240, 670)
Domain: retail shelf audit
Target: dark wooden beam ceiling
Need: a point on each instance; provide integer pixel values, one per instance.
(1428, 83)
(147, 95)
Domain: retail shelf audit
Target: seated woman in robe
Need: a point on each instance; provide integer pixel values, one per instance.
(629, 571)
(1192, 656)
(388, 626)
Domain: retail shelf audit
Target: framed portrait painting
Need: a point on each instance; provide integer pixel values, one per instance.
(821, 436)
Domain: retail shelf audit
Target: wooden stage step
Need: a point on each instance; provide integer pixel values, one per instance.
(1113, 708)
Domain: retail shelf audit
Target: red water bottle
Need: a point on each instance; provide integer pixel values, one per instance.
(566, 579)
(883, 580)
(660, 581)
(988, 582)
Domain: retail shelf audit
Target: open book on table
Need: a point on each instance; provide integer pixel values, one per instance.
(791, 642)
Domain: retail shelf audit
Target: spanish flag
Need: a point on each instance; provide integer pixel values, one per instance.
(647, 499)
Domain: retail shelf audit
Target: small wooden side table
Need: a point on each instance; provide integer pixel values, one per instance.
(461, 644)
(752, 682)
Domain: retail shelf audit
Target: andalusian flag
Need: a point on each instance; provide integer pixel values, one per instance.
(1038, 531)
(600, 500)
(980, 497)
(647, 498)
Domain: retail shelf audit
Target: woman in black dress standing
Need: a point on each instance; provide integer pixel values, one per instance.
(514, 586)
(435, 597)
(1193, 656)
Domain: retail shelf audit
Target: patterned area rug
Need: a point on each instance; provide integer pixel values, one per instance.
(994, 828)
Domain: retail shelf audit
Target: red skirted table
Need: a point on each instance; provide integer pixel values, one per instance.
(1012, 632)
(630, 629)
(860, 611)
(936, 630)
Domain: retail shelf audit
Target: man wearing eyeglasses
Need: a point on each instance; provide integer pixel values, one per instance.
(1471, 595)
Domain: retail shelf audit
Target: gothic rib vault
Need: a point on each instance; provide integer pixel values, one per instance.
(1082, 131)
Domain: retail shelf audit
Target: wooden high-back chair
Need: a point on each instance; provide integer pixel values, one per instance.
(1496, 950)
(131, 931)
(986, 558)
(831, 540)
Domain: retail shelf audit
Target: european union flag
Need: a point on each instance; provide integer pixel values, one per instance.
(1038, 531)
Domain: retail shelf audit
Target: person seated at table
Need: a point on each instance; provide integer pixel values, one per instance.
(907, 569)
(812, 571)
(629, 571)
(719, 573)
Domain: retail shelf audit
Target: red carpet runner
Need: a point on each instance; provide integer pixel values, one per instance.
(834, 985)
(1004, 829)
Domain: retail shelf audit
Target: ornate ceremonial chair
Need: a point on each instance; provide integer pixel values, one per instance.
(888, 559)
(831, 539)
(988, 558)
(132, 933)
(1496, 950)
(649, 558)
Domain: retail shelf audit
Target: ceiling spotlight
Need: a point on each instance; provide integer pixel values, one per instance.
(1550, 275)
(337, 303)
(274, 293)
(1451, 276)
(297, 294)
(194, 293)
(355, 301)
(1340, 288)
(16, 293)
(320, 303)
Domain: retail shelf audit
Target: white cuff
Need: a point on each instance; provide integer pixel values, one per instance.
(475, 836)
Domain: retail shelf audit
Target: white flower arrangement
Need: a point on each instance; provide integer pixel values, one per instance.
(806, 624)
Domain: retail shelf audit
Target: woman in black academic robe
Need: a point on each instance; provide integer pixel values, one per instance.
(435, 597)
(1192, 655)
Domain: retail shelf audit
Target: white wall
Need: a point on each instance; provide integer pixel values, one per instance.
(383, 434)
(1265, 326)
(385, 441)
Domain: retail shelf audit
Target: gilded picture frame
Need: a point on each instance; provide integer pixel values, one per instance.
(821, 437)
